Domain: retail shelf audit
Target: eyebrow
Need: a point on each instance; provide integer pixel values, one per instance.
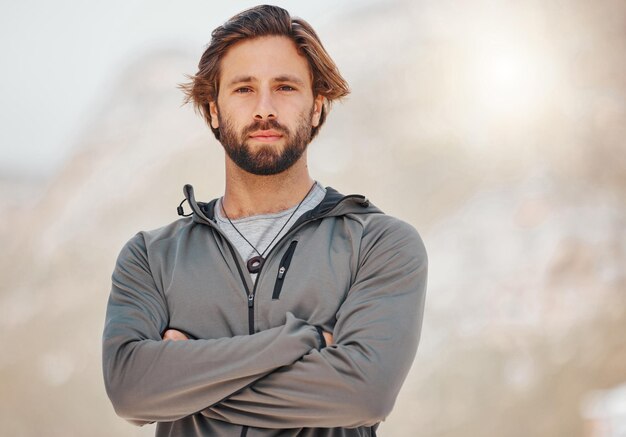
(281, 78)
(240, 79)
(289, 78)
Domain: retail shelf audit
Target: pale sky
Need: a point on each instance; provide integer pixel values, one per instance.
(56, 56)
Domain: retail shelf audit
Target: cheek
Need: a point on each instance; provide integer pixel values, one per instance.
(240, 113)
(296, 112)
(232, 116)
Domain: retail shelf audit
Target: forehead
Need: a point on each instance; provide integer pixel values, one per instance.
(264, 58)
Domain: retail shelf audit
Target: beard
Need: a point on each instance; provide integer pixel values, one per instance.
(265, 160)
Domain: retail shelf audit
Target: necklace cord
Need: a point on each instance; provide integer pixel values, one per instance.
(281, 229)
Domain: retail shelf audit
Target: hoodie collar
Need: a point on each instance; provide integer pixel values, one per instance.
(333, 204)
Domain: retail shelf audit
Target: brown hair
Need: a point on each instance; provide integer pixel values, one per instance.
(255, 22)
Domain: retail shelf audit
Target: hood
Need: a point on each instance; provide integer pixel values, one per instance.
(333, 204)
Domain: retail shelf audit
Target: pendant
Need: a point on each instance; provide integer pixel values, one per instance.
(255, 263)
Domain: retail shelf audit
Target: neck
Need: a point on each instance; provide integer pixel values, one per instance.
(247, 194)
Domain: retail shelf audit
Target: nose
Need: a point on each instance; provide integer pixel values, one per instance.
(265, 108)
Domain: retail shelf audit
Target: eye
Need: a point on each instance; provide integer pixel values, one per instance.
(286, 88)
(243, 90)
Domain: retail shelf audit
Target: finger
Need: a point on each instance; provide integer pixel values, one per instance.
(173, 334)
(328, 337)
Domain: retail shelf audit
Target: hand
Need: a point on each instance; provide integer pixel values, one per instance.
(328, 337)
(174, 335)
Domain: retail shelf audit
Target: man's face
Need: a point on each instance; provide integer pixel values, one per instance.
(265, 109)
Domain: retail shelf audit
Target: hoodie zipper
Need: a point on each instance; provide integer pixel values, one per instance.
(249, 294)
(282, 269)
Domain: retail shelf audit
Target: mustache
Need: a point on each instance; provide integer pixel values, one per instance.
(265, 125)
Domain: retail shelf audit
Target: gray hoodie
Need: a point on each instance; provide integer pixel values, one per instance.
(255, 364)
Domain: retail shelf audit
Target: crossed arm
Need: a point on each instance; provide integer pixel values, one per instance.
(281, 379)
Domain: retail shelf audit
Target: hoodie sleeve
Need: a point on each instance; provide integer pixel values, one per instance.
(355, 381)
(148, 379)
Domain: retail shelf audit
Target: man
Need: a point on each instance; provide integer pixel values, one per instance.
(282, 308)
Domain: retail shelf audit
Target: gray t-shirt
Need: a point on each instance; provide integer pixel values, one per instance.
(261, 229)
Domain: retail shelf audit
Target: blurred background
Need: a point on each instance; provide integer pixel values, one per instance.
(497, 128)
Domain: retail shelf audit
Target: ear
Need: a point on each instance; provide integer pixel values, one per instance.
(215, 124)
(318, 105)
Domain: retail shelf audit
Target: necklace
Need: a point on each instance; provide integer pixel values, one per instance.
(255, 263)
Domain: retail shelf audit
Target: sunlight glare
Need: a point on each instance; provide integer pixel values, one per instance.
(510, 81)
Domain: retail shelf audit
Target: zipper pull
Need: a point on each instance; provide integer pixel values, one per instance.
(281, 272)
(250, 300)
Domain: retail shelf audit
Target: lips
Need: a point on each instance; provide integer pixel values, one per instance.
(266, 135)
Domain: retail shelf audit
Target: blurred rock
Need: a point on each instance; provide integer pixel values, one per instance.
(522, 214)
